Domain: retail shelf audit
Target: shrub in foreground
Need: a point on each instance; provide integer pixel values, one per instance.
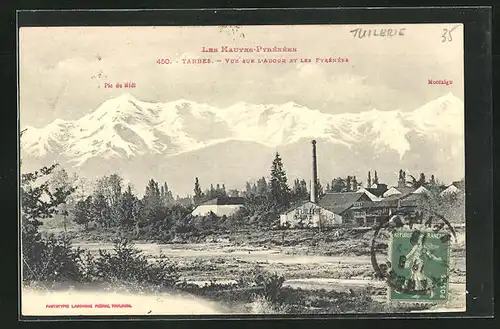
(128, 264)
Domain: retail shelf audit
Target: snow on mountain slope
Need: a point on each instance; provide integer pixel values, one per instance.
(125, 127)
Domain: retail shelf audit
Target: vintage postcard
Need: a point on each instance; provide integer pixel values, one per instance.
(213, 170)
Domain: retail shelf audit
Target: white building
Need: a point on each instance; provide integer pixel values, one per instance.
(219, 206)
(309, 214)
(450, 190)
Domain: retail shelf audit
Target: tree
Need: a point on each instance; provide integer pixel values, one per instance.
(261, 187)
(369, 180)
(61, 180)
(248, 188)
(349, 184)
(210, 193)
(83, 188)
(375, 178)
(422, 181)
(354, 184)
(129, 208)
(401, 178)
(83, 213)
(108, 193)
(166, 195)
(101, 210)
(233, 193)
(152, 204)
(416, 183)
(255, 189)
(279, 190)
(39, 200)
(319, 190)
(338, 185)
(44, 259)
(198, 194)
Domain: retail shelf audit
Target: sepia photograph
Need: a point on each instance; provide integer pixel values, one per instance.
(233, 170)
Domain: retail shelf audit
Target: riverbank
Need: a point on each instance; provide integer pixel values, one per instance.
(321, 270)
(216, 263)
(334, 242)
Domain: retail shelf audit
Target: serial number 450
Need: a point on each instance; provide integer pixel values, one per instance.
(163, 61)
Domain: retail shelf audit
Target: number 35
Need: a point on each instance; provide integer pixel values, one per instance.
(446, 35)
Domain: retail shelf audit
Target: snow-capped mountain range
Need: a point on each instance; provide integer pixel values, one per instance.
(126, 129)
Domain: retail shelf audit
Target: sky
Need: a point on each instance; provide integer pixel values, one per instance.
(62, 70)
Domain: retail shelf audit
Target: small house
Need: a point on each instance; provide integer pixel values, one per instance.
(219, 206)
(354, 207)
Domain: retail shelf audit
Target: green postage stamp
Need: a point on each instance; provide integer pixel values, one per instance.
(419, 263)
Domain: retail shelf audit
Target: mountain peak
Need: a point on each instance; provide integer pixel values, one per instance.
(126, 97)
(127, 126)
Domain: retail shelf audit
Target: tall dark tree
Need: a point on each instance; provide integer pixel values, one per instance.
(101, 210)
(129, 208)
(166, 195)
(354, 184)
(421, 180)
(153, 210)
(369, 181)
(303, 188)
(299, 190)
(212, 192)
(348, 184)
(83, 213)
(278, 186)
(375, 178)
(198, 194)
(401, 178)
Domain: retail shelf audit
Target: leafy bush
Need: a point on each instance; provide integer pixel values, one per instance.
(271, 283)
(51, 260)
(128, 264)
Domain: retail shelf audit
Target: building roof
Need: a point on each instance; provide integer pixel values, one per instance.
(452, 189)
(372, 196)
(412, 199)
(377, 189)
(225, 201)
(340, 202)
(296, 204)
(421, 189)
(403, 191)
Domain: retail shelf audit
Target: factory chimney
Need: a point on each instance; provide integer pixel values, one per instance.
(314, 174)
